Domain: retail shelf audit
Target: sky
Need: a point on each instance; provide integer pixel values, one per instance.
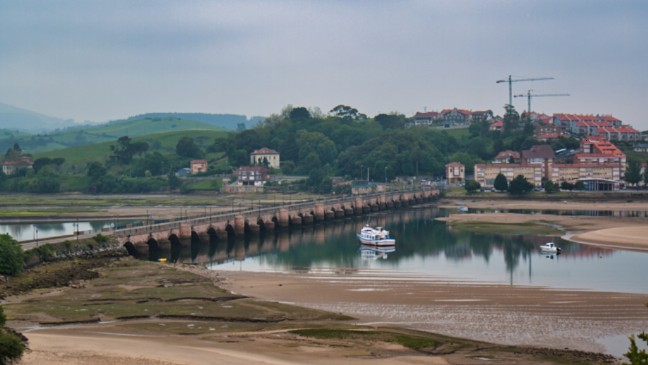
(100, 60)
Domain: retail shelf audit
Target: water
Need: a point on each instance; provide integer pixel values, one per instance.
(428, 247)
(32, 231)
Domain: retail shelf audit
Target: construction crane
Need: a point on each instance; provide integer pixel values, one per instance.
(529, 96)
(511, 81)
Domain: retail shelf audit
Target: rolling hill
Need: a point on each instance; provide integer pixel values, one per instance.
(94, 134)
(14, 118)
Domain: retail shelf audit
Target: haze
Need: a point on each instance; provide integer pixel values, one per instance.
(105, 60)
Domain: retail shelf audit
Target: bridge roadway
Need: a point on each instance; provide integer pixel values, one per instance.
(225, 226)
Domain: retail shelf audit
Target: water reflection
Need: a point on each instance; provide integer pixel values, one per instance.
(41, 230)
(424, 246)
(374, 253)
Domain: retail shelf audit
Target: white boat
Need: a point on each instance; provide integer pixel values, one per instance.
(375, 236)
(463, 209)
(550, 247)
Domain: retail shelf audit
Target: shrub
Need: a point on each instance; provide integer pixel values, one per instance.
(11, 346)
(12, 258)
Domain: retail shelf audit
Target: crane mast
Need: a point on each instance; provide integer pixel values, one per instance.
(510, 81)
(529, 95)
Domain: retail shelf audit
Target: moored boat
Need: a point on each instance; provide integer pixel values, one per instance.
(375, 236)
(550, 247)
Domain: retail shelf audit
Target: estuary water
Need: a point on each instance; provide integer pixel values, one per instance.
(430, 248)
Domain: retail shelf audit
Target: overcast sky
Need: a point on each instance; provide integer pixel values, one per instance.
(105, 60)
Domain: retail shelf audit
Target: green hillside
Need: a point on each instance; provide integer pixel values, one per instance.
(93, 134)
(76, 158)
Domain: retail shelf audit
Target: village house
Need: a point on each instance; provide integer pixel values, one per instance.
(198, 166)
(252, 175)
(10, 167)
(265, 157)
(455, 173)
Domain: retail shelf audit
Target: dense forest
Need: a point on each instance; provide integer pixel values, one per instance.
(343, 142)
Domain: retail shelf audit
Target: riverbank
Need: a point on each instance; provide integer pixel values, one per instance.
(137, 312)
(629, 231)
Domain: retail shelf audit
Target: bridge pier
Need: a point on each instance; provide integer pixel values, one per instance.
(224, 227)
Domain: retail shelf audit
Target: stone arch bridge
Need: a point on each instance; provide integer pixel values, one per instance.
(226, 226)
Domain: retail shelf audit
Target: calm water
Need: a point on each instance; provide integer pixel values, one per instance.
(430, 248)
(33, 231)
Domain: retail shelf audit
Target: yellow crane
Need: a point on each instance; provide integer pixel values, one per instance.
(529, 95)
(510, 81)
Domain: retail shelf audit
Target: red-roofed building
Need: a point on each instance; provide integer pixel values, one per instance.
(12, 166)
(497, 126)
(606, 126)
(507, 156)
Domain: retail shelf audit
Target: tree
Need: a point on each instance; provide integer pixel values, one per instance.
(501, 184)
(347, 113)
(579, 185)
(645, 177)
(511, 119)
(520, 186)
(633, 174)
(187, 148)
(472, 186)
(565, 185)
(551, 187)
(391, 121)
(12, 257)
(299, 113)
(635, 355)
(124, 150)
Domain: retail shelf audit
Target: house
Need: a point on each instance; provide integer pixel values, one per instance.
(507, 156)
(10, 167)
(252, 175)
(455, 173)
(450, 118)
(265, 157)
(605, 126)
(198, 166)
(497, 125)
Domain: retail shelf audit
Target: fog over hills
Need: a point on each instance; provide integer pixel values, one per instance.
(12, 117)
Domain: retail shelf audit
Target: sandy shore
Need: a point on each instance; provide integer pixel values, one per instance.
(581, 320)
(617, 231)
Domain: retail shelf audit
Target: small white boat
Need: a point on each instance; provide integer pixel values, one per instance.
(375, 236)
(550, 247)
(463, 209)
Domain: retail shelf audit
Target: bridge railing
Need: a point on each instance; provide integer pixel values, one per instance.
(230, 216)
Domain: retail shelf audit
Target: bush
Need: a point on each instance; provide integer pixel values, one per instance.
(11, 346)
(12, 258)
(634, 354)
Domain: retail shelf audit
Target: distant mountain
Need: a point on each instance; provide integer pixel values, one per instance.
(12, 117)
(225, 121)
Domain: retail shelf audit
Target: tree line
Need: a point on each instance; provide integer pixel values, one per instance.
(343, 142)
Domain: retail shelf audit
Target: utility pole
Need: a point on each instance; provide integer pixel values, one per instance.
(510, 81)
